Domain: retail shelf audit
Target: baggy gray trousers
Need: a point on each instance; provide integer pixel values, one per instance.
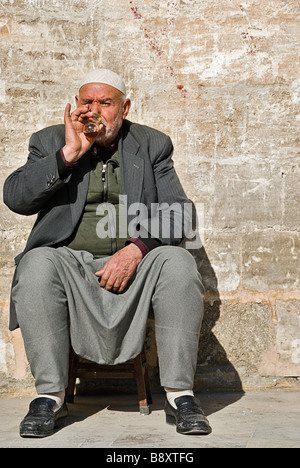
(57, 296)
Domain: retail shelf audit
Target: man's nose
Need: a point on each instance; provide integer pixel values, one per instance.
(95, 107)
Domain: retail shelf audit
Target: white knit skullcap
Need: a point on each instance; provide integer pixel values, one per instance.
(106, 77)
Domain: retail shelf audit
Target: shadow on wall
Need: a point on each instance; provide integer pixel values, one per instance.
(215, 373)
(214, 370)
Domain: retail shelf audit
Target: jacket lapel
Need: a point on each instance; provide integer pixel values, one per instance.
(132, 167)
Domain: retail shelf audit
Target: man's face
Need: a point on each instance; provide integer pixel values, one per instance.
(110, 104)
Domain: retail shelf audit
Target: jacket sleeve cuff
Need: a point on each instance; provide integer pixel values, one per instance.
(145, 245)
(64, 167)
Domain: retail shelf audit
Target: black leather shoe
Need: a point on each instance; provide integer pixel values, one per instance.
(41, 420)
(188, 417)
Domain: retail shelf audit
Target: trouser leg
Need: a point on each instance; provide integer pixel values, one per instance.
(178, 312)
(42, 312)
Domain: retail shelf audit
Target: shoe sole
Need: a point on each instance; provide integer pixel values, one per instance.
(39, 435)
(171, 420)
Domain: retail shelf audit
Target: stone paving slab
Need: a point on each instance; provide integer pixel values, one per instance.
(256, 419)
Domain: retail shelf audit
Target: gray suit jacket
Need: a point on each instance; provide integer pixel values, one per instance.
(148, 177)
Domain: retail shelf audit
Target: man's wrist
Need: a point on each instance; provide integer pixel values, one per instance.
(65, 161)
(137, 251)
(69, 156)
(139, 243)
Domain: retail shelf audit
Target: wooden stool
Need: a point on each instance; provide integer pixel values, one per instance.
(134, 369)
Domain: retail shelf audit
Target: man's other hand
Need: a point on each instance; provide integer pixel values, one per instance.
(120, 268)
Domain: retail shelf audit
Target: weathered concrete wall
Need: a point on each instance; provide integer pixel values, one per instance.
(220, 77)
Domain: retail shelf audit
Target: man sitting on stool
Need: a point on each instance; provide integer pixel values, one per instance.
(82, 267)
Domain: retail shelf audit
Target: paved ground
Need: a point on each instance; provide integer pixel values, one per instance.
(258, 419)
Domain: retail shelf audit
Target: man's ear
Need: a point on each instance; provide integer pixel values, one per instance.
(126, 108)
(76, 99)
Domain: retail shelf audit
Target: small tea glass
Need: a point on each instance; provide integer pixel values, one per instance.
(92, 127)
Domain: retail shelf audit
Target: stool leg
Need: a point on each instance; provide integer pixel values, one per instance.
(141, 387)
(147, 385)
(73, 361)
(146, 377)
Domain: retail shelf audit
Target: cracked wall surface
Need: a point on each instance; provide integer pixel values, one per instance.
(222, 79)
